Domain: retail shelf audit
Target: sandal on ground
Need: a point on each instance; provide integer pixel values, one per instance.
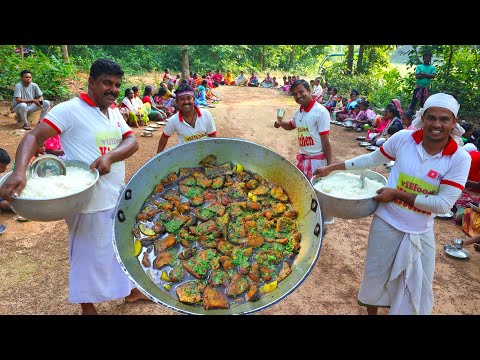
(21, 219)
(26, 127)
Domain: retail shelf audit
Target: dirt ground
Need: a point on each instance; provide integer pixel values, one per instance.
(34, 255)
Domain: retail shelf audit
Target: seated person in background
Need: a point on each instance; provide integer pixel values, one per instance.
(211, 96)
(228, 80)
(390, 118)
(353, 100)
(164, 111)
(267, 82)
(391, 130)
(398, 105)
(407, 118)
(169, 97)
(253, 81)
(153, 111)
(218, 77)
(473, 181)
(53, 146)
(167, 77)
(471, 194)
(193, 78)
(201, 96)
(38, 152)
(332, 103)
(323, 92)
(138, 103)
(355, 112)
(4, 161)
(467, 135)
(241, 79)
(134, 118)
(275, 82)
(199, 80)
(317, 88)
(343, 113)
(366, 116)
(28, 98)
(328, 95)
(285, 82)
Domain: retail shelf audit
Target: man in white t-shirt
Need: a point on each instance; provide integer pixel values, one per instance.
(312, 122)
(241, 79)
(190, 122)
(28, 98)
(429, 175)
(91, 130)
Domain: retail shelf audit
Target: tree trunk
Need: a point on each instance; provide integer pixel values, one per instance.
(21, 52)
(447, 75)
(350, 59)
(65, 53)
(292, 53)
(360, 69)
(214, 54)
(262, 56)
(185, 63)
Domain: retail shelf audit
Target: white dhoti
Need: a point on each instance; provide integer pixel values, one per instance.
(398, 270)
(95, 274)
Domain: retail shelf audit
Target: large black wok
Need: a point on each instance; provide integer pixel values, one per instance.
(255, 158)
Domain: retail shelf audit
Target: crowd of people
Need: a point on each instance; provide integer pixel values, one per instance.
(427, 146)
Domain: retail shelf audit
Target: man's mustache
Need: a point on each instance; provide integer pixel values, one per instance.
(115, 95)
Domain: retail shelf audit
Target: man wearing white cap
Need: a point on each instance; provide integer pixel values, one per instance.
(428, 176)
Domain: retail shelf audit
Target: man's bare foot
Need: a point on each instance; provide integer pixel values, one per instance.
(88, 309)
(476, 246)
(135, 295)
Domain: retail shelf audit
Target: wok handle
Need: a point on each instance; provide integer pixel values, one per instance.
(128, 194)
(121, 216)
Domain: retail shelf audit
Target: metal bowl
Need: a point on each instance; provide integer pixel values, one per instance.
(348, 208)
(253, 157)
(57, 208)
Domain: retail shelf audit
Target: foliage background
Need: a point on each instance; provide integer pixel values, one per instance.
(376, 77)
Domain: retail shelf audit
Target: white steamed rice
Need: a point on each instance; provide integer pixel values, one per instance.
(347, 186)
(51, 187)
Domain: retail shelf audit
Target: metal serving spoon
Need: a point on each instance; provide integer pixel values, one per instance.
(362, 179)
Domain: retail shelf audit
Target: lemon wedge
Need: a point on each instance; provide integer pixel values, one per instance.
(165, 276)
(238, 168)
(268, 287)
(137, 248)
(145, 230)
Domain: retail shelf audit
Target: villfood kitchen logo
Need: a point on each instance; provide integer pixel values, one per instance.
(107, 140)
(413, 185)
(304, 136)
